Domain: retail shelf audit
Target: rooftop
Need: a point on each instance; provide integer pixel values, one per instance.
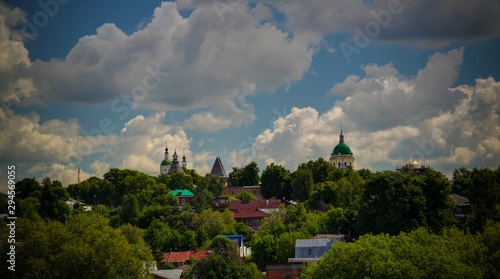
(180, 257)
(260, 204)
(181, 193)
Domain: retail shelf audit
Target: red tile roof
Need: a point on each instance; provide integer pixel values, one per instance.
(260, 204)
(180, 257)
(248, 213)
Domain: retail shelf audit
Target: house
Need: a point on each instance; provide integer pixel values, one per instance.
(179, 258)
(254, 190)
(168, 274)
(313, 248)
(462, 210)
(184, 196)
(251, 217)
(269, 205)
(220, 203)
(251, 212)
(237, 241)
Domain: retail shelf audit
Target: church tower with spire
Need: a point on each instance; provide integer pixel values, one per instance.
(342, 156)
(166, 163)
(176, 166)
(184, 163)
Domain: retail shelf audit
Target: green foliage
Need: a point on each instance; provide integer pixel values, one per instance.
(213, 183)
(243, 230)
(214, 222)
(320, 169)
(246, 176)
(276, 182)
(438, 203)
(86, 248)
(392, 202)
(202, 199)
(28, 187)
(302, 184)
(482, 188)
(130, 209)
(418, 254)
(245, 196)
(201, 236)
(285, 244)
(224, 262)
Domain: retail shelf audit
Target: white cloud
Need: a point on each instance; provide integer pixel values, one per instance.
(386, 114)
(66, 174)
(15, 87)
(177, 63)
(384, 98)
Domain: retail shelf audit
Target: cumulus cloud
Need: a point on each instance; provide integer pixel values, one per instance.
(177, 63)
(427, 23)
(385, 114)
(56, 148)
(399, 98)
(15, 86)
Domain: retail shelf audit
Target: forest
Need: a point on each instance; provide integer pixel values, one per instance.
(401, 224)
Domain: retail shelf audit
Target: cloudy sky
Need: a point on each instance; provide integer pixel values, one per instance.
(93, 85)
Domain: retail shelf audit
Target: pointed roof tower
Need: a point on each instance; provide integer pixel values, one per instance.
(166, 161)
(341, 148)
(175, 164)
(218, 168)
(184, 163)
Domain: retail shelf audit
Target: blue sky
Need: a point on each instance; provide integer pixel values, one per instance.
(96, 85)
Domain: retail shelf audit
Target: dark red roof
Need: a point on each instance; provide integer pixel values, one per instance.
(249, 213)
(180, 257)
(260, 204)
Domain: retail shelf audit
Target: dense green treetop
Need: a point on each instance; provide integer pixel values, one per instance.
(276, 182)
(245, 176)
(417, 254)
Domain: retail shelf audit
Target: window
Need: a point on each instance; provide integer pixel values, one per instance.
(310, 251)
(222, 201)
(183, 201)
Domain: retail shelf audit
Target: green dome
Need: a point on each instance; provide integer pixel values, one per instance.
(342, 148)
(166, 163)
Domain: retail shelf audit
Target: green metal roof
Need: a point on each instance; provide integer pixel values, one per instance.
(342, 148)
(179, 193)
(166, 163)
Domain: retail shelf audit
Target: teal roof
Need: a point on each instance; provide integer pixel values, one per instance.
(166, 163)
(179, 193)
(342, 148)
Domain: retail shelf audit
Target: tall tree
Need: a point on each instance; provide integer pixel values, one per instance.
(302, 184)
(28, 187)
(482, 188)
(320, 169)
(391, 202)
(438, 202)
(276, 182)
(246, 176)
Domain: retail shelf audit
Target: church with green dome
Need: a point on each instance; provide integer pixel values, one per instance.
(342, 156)
(167, 166)
(166, 163)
